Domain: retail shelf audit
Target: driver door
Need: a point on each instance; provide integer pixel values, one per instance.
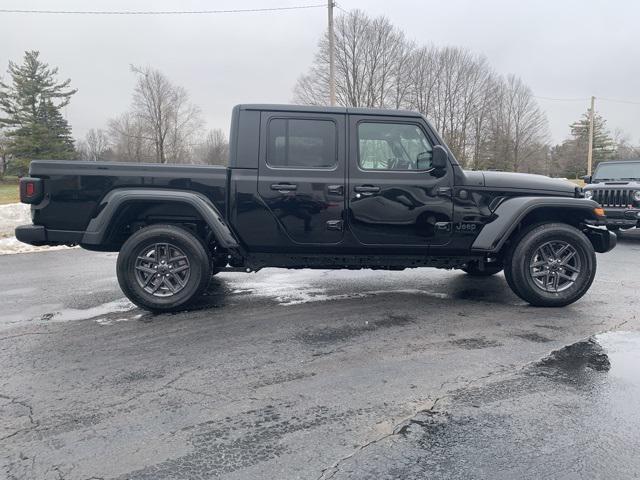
(394, 199)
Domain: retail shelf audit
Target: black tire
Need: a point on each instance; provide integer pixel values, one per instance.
(137, 262)
(474, 270)
(509, 278)
(531, 273)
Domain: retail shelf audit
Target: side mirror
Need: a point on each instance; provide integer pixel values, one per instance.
(587, 179)
(439, 158)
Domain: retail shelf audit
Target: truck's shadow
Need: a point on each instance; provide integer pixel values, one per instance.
(492, 289)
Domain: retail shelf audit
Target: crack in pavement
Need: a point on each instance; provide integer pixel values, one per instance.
(169, 384)
(399, 427)
(34, 423)
(24, 335)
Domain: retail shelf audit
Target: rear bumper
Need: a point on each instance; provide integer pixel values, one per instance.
(602, 240)
(38, 235)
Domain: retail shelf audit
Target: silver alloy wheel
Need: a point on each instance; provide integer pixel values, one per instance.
(555, 266)
(162, 269)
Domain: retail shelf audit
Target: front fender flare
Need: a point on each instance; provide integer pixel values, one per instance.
(512, 211)
(98, 227)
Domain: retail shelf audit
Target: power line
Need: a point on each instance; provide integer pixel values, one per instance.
(603, 99)
(562, 99)
(339, 7)
(631, 102)
(159, 12)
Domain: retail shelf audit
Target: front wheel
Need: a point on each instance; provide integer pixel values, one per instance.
(551, 265)
(163, 267)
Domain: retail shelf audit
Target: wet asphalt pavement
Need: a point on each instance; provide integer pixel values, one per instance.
(316, 375)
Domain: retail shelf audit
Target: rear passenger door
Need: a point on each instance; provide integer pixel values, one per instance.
(301, 177)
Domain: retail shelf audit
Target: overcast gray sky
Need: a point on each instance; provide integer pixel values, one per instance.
(561, 48)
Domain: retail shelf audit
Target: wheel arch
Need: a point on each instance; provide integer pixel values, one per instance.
(122, 207)
(514, 214)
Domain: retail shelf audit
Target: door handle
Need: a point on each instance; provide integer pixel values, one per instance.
(284, 187)
(336, 189)
(366, 189)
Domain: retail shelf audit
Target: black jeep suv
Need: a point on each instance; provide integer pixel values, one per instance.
(616, 186)
(312, 187)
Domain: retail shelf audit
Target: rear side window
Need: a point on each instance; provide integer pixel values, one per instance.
(297, 143)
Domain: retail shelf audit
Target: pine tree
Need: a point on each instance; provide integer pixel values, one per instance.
(31, 104)
(572, 154)
(604, 146)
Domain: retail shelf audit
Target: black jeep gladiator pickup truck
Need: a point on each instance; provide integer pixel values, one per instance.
(616, 187)
(312, 187)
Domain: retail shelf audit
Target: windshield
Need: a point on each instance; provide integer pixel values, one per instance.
(617, 171)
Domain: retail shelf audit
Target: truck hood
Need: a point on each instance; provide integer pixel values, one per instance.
(612, 184)
(526, 182)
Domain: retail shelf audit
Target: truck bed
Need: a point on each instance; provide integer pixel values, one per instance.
(74, 190)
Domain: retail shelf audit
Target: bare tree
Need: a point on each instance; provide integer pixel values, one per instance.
(518, 128)
(4, 154)
(97, 144)
(214, 150)
(162, 120)
(451, 87)
(486, 120)
(625, 150)
(371, 60)
(128, 139)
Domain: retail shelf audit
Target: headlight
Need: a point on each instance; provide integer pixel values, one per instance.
(636, 195)
(588, 194)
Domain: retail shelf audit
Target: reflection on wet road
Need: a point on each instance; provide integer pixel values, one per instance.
(573, 414)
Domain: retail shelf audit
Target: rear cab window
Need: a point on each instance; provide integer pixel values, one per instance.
(301, 143)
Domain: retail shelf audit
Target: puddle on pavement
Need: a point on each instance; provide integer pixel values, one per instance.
(526, 425)
(305, 286)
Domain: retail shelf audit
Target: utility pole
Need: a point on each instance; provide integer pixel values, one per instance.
(332, 56)
(590, 151)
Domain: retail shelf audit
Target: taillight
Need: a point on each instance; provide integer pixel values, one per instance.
(31, 190)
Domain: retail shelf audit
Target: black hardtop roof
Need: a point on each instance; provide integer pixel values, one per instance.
(322, 109)
(635, 160)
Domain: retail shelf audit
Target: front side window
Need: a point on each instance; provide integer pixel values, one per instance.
(393, 146)
(298, 143)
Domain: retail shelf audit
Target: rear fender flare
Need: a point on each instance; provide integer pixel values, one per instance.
(99, 226)
(511, 212)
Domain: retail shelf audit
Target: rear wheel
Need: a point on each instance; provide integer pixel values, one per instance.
(163, 267)
(551, 265)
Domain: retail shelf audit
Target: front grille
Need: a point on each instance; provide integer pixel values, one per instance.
(613, 198)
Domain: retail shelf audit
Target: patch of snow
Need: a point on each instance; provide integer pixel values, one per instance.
(71, 314)
(12, 215)
(12, 245)
(110, 321)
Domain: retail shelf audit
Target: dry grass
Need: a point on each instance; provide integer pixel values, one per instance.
(9, 193)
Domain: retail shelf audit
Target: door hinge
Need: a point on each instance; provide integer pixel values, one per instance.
(444, 191)
(335, 225)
